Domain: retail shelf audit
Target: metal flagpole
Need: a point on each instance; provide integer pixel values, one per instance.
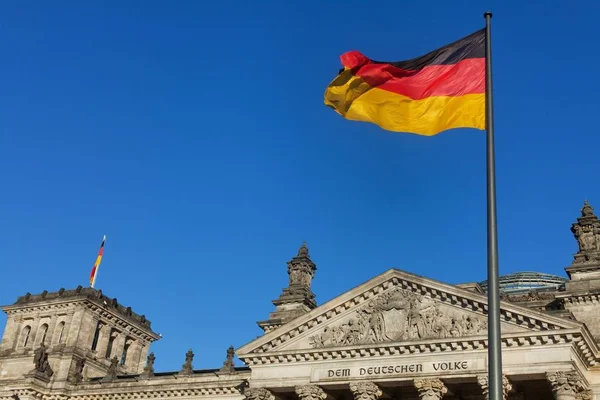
(494, 334)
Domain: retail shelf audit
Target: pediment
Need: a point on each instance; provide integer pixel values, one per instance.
(395, 307)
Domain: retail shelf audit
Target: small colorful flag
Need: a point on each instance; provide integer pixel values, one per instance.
(94, 272)
(441, 90)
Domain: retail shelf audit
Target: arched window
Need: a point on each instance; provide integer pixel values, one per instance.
(25, 334)
(43, 333)
(60, 330)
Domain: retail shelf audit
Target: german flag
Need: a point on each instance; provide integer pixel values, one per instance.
(441, 90)
(94, 272)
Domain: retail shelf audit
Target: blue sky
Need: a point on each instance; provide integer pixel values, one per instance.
(194, 135)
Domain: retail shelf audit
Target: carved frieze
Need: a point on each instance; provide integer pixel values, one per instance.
(531, 296)
(398, 315)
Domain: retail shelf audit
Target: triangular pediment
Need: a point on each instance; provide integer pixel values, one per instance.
(394, 307)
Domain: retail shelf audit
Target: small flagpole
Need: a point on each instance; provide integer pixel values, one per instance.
(494, 333)
(98, 262)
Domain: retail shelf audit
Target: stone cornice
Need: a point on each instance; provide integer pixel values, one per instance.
(206, 385)
(581, 342)
(106, 312)
(110, 315)
(40, 301)
(451, 295)
(579, 298)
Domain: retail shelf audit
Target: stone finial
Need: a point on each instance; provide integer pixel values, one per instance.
(310, 392)
(258, 394)
(567, 384)
(40, 360)
(228, 366)
(430, 389)
(587, 233)
(365, 391)
(301, 269)
(483, 382)
(149, 368)
(77, 375)
(111, 373)
(296, 299)
(187, 368)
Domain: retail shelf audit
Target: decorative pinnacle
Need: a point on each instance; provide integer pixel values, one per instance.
(587, 210)
(303, 250)
(487, 13)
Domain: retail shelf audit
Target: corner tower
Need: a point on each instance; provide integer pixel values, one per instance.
(77, 332)
(296, 299)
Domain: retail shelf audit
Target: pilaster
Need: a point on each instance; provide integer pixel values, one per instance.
(132, 362)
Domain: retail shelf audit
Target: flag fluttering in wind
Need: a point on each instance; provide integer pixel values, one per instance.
(441, 90)
(94, 272)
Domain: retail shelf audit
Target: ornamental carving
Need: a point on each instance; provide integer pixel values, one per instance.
(365, 391)
(397, 315)
(483, 382)
(587, 233)
(258, 394)
(310, 392)
(40, 360)
(531, 296)
(430, 389)
(567, 383)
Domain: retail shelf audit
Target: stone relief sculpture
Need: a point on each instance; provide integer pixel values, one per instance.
(397, 315)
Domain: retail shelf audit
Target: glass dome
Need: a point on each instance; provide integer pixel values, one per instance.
(525, 281)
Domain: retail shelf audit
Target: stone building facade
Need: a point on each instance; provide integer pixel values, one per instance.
(396, 336)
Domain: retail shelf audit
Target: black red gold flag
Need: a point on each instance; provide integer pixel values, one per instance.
(94, 272)
(441, 90)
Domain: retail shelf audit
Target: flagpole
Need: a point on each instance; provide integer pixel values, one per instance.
(494, 334)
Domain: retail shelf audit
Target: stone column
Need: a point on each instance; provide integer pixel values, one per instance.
(310, 392)
(568, 385)
(103, 339)
(118, 346)
(258, 394)
(430, 389)
(482, 380)
(365, 391)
